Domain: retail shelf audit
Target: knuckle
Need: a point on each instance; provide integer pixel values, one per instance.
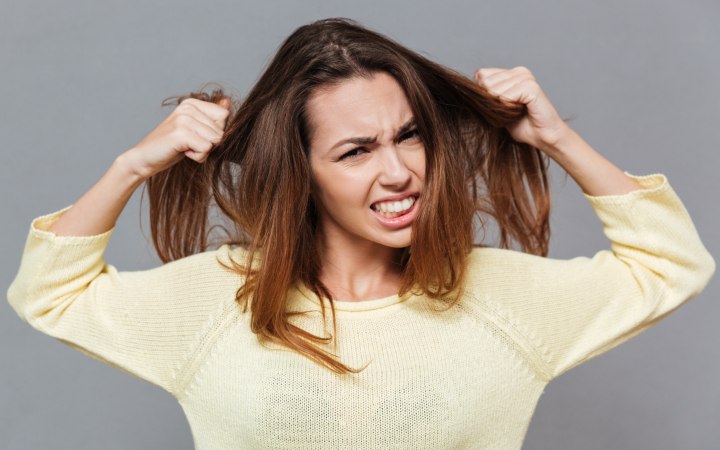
(529, 84)
(185, 106)
(182, 119)
(182, 132)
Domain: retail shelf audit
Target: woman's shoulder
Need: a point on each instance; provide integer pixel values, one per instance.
(226, 257)
(487, 255)
(492, 264)
(234, 255)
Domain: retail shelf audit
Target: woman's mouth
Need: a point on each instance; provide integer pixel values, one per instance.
(399, 219)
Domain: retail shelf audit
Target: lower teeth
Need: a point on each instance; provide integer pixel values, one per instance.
(391, 215)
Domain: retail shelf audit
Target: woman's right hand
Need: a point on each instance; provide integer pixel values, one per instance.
(192, 130)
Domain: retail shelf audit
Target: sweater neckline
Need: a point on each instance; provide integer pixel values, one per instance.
(353, 305)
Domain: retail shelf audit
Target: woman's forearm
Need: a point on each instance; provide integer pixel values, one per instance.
(591, 171)
(99, 208)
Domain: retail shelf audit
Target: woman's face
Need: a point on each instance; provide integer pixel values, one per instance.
(349, 178)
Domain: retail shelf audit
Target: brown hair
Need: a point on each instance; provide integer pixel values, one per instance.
(259, 177)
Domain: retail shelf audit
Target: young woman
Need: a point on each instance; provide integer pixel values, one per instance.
(353, 172)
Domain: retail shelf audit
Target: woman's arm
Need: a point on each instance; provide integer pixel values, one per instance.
(190, 130)
(543, 128)
(154, 323)
(99, 208)
(564, 312)
(591, 171)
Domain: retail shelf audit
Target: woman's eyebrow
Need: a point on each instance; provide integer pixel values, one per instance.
(371, 140)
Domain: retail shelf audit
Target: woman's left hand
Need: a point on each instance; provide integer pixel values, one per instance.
(542, 127)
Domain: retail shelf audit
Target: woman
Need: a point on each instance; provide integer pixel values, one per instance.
(351, 171)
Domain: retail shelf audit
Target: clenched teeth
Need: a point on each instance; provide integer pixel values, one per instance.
(394, 206)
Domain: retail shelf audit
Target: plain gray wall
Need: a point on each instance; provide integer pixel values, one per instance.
(82, 82)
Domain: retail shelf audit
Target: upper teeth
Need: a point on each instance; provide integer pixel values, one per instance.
(395, 206)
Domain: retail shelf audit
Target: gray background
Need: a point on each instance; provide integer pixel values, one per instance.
(82, 82)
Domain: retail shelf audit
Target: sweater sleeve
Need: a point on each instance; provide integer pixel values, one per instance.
(567, 311)
(146, 323)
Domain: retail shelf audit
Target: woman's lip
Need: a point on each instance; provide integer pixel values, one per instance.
(400, 221)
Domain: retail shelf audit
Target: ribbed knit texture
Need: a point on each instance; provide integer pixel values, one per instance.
(466, 378)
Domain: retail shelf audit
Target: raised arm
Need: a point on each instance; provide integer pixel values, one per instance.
(564, 312)
(153, 324)
(543, 128)
(595, 175)
(97, 211)
(190, 130)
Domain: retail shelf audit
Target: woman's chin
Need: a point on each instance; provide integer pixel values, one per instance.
(399, 240)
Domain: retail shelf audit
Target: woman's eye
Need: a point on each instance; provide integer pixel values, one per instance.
(412, 133)
(350, 153)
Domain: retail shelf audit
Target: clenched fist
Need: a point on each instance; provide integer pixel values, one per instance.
(191, 130)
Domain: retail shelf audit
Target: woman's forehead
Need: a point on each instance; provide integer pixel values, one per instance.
(358, 107)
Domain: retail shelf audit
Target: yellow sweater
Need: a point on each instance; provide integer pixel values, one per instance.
(467, 378)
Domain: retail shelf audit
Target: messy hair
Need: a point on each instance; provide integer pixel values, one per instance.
(259, 177)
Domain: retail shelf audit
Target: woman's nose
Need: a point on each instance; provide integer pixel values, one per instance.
(394, 170)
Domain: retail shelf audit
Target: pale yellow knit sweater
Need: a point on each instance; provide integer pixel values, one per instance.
(467, 378)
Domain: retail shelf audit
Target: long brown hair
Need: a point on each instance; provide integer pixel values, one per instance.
(259, 177)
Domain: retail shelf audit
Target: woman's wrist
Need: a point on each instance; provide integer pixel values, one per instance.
(124, 166)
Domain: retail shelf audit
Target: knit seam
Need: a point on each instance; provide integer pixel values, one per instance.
(188, 373)
(492, 313)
